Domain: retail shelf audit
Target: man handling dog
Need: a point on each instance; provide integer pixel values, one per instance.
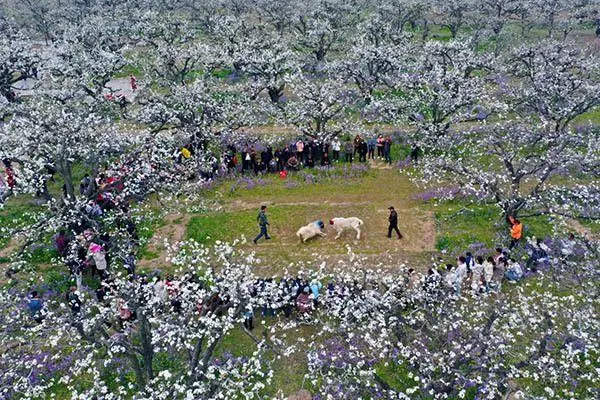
(393, 219)
(263, 222)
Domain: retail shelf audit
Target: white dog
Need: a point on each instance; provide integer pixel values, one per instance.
(311, 230)
(339, 224)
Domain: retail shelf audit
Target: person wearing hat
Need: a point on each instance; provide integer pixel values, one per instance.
(393, 219)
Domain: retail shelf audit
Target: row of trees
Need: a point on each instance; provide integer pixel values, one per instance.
(466, 106)
(375, 336)
(501, 118)
(322, 26)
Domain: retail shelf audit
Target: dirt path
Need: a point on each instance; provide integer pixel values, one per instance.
(243, 205)
(173, 232)
(8, 249)
(582, 230)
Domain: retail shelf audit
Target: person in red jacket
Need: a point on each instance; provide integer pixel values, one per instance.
(10, 174)
(133, 82)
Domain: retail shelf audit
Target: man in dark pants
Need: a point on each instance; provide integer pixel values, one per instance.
(393, 218)
(263, 222)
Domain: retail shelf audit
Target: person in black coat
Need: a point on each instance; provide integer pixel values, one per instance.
(393, 219)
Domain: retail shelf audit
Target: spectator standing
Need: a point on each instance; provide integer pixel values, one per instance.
(315, 287)
(499, 256)
(133, 82)
(461, 273)
(245, 160)
(348, 151)
(380, 141)
(356, 145)
(488, 273)
(300, 150)
(450, 277)
(387, 150)
(35, 307)
(336, 146)
(363, 150)
(61, 243)
(73, 301)
(476, 275)
(253, 160)
(414, 153)
(371, 144)
(10, 173)
(249, 318)
(516, 231)
(279, 159)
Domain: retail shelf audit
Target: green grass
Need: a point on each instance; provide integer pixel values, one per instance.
(591, 117)
(367, 197)
(129, 70)
(459, 224)
(17, 212)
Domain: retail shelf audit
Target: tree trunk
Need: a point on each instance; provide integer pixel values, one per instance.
(139, 374)
(63, 167)
(146, 339)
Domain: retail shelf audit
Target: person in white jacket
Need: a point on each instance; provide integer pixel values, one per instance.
(450, 277)
(488, 273)
(461, 273)
(336, 146)
(160, 291)
(477, 272)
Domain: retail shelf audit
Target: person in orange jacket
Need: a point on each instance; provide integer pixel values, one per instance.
(516, 231)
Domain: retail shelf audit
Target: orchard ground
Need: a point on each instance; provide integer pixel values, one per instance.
(431, 229)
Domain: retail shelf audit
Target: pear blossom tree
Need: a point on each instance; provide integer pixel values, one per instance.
(501, 12)
(534, 343)
(140, 325)
(402, 13)
(199, 112)
(373, 62)
(18, 62)
(279, 14)
(320, 105)
(453, 14)
(517, 166)
(320, 28)
(267, 60)
(444, 85)
(554, 80)
(43, 17)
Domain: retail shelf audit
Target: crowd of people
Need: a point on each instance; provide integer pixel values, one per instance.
(298, 297)
(86, 250)
(305, 153)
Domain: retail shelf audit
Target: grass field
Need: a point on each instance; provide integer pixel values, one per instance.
(430, 228)
(297, 201)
